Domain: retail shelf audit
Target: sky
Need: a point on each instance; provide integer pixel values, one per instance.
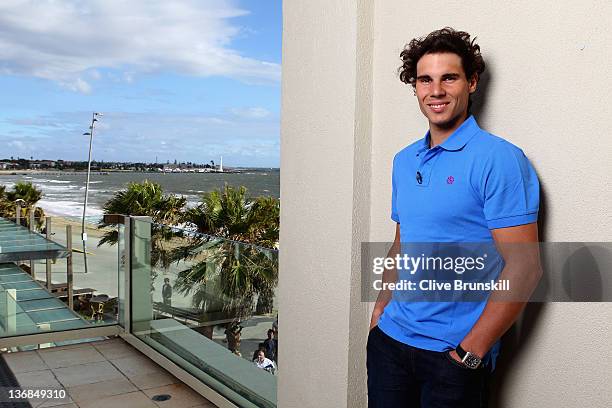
(186, 80)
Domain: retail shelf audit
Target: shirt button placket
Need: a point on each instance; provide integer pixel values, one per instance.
(419, 174)
(422, 175)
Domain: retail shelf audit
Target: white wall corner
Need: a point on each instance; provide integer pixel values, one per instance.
(325, 194)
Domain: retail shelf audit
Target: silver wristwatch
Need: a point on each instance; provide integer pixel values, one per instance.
(468, 359)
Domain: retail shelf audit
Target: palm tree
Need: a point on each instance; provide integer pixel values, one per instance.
(234, 260)
(29, 196)
(26, 192)
(5, 205)
(231, 214)
(145, 199)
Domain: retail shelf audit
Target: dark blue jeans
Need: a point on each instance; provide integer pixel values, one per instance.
(401, 376)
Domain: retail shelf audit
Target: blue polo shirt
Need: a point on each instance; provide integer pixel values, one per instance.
(457, 191)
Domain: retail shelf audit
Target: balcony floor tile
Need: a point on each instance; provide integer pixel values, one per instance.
(107, 373)
(181, 396)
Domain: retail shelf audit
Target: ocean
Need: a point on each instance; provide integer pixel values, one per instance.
(63, 194)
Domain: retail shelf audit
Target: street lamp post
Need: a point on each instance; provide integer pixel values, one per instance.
(94, 119)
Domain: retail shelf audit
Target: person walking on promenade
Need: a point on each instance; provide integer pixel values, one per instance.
(167, 292)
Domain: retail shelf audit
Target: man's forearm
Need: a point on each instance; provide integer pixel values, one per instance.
(495, 320)
(522, 272)
(384, 296)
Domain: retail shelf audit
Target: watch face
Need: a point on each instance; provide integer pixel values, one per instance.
(471, 361)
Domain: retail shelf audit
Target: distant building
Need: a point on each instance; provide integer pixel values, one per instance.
(41, 164)
(47, 163)
(169, 168)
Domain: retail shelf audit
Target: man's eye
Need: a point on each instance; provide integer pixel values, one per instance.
(449, 79)
(425, 80)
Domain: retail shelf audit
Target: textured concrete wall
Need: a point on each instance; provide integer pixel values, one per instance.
(326, 126)
(546, 91)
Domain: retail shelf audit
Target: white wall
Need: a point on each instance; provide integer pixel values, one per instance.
(344, 117)
(326, 125)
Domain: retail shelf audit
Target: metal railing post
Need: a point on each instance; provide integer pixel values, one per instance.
(127, 274)
(48, 261)
(31, 216)
(31, 228)
(69, 267)
(18, 215)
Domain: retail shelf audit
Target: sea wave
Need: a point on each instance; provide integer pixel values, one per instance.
(62, 187)
(68, 208)
(45, 180)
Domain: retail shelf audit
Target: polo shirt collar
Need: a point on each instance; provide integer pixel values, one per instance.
(459, 138)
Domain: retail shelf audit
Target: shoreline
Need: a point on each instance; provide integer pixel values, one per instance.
(62, 221)
(106, 172)
(28, 172)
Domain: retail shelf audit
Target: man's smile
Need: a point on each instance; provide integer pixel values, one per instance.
(438, 107)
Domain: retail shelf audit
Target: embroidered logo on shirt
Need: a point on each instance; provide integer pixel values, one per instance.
(450, 180)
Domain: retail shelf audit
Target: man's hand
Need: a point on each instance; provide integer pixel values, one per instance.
(455, 356)
(375, 316)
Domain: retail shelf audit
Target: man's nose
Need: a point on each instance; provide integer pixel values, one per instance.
(437, 88)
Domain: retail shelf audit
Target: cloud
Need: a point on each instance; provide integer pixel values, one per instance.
(250, 113)
(69, 41)
(17, 144)
(78, 85)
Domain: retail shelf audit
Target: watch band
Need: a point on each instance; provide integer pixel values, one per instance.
(460, 351)
(469, 359)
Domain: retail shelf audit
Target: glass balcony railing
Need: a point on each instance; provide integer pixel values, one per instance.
(208, 304)
(43, 284)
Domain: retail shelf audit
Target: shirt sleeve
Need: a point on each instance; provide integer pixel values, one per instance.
(394, 214)
(511, 188)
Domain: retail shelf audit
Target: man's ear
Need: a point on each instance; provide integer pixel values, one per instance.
(473, 83)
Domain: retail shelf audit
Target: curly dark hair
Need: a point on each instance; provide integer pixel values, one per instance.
(445, 40)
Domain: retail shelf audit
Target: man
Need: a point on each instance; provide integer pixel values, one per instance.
(167, 292)
(458, 184)
(270, 345)
(264, 363)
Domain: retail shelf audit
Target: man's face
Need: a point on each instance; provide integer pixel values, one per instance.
(261, 356)
(443, 90)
